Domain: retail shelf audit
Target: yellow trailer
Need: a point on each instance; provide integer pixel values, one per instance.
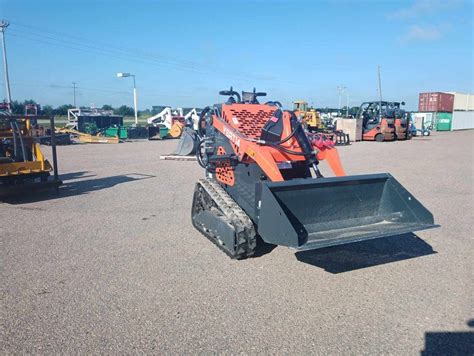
(87, 138)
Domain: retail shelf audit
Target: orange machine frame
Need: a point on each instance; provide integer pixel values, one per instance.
(242, 124)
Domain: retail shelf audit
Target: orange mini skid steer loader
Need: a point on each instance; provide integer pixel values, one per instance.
(262, 178)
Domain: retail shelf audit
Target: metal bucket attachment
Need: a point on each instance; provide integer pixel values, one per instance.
(187, 143)
(314, 213)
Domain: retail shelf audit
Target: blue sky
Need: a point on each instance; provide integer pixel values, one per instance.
(183, 52)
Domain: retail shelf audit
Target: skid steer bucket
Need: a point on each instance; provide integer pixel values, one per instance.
(314, 213)
(187, 143)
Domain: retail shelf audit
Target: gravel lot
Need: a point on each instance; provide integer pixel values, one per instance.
(113, 264)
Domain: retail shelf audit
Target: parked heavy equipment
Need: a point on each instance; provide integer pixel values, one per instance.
(376, 126)
(262, 178)
(87, 138)
(174, 120)
(419, 125)
(309, 116)
(188, 140)
(312, 122)
(187, 143)
(92, 120)
(23, 167)
(400, 119)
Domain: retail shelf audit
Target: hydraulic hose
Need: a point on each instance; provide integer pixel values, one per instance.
(201, 119)
(15, 144)
(286, 150)
(22, 144)
(302, 139)
(201, 136)
(286, 139)
(274, 103)
(198, 154)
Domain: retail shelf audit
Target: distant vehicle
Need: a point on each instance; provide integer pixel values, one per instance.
(383, 121)
(308, 115)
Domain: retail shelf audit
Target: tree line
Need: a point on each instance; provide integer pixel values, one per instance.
(18, 108)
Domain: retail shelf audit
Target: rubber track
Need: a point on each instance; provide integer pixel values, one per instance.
(245, 230)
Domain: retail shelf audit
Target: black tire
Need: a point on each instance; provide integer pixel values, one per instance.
(379, 137)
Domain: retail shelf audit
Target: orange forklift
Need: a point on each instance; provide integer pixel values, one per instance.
(400, 120)
(377, 124)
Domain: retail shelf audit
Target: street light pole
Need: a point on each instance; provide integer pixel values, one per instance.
(135, 106)
(341, 89)
(135, 100)
(347, 103)
(3, 26)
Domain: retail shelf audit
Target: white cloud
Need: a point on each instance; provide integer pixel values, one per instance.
(424, 7)
(421, 33)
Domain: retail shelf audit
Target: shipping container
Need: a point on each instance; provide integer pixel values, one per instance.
(442, 102)
(462, 120)
(94, 123)
(463, 101)
(443, 121)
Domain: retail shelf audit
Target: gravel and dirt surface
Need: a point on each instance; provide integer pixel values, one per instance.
(113, 264)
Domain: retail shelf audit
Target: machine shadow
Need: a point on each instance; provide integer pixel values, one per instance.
(89, 185)
(263, 248)
(78, 187)
(449, 342)
(364, 254)
(76, 175)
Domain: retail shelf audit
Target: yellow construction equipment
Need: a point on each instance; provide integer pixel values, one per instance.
(309, 116)
(87, 138)
(176, 130)
(23, 167)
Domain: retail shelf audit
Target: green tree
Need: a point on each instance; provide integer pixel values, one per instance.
(353, 110)
(47, 110)
(124, 110)
(107, 107)
(144, 112)
(19, 107)
(62, 110)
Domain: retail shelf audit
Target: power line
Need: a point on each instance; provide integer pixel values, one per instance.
(127, 55)
(95, 49)
(121, 49)
(133, 55)
(103, 90)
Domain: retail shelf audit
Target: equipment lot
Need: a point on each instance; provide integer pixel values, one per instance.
(113, 263)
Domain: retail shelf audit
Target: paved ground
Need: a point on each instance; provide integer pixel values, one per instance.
(114, 265)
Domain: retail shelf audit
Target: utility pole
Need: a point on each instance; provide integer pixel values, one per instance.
(380, 90)
(125, 75)
(347, 103)
(74, 90)
(3, 26)
(340, 89)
